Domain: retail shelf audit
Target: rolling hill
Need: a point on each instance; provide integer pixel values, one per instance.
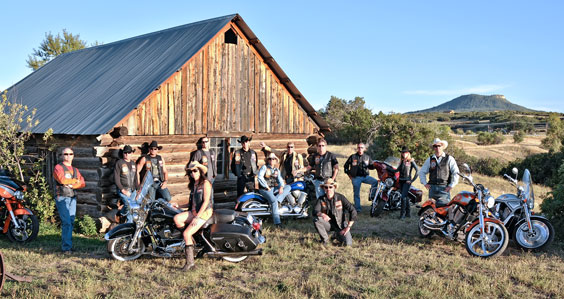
(477, 103)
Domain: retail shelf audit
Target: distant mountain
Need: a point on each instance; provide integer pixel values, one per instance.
(478, 103)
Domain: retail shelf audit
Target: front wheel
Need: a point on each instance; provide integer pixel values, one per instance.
(540, 235)
(118, 248)
(428, 213)
(492, 243)
(377, 207)
(27, 230)
(235, 259)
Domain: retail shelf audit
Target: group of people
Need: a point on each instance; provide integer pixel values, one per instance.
(332, 212)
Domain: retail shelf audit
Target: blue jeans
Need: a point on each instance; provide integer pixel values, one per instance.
(318, 190)
(160, 193)
(125, 200)
(357, 182)
(67, 211)
(438, 193)
(274, 200)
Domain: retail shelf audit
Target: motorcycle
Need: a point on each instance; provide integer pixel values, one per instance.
(467, 215)
(225, 235)
(386, 195)
(529, 231)
(301, 191)
(18, 222)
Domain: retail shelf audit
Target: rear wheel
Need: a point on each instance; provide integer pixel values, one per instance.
(377, 207)
(251, 204)
(540, 235)
(492, 243)
(235, 259)
(118, 248)
(27, 230)
(428, 213)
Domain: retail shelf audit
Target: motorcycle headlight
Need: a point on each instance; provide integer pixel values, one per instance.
(531, 203)
(389, 182)
(490, 200)
(19, 195)
(135, 215)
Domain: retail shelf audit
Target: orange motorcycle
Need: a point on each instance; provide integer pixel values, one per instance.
(18, 222)
(466, 217)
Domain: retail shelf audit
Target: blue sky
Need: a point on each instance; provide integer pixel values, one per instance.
(399, 55)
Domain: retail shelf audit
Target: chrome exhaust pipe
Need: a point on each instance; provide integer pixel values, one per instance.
(254, 209)
(240, 253)
(433, 225)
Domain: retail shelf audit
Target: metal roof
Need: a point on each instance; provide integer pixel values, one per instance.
(87, 92)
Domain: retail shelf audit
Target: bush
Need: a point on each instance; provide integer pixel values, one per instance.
(469, 132)
(553, 205)
(86, 226)
(518, 137)
(459, 131)
(485, 138)
(543, 167)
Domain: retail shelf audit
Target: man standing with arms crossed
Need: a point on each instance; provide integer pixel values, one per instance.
(325, 165)
(356, 168)
(443, 173)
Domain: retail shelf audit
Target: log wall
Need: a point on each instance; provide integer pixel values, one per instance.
(225, 87)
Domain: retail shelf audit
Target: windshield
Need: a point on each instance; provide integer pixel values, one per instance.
(528, 184)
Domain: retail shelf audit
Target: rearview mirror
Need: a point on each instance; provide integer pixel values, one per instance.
(515, 170)
(467, 169)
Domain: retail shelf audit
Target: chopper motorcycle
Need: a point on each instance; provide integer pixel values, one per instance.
(301, 192)
(529, 231)
(466, 216)
(225, 235)
(387, 195)
(18, 222)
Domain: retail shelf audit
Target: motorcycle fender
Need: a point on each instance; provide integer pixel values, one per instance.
(477, 221)
(427, 203)
(120, 230)
(533, 217)
(17, 212)
(248, 196)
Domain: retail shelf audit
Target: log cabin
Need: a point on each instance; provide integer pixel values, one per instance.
(210, 78)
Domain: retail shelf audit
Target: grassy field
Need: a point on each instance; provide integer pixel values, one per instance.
(530, 145)
(388, 259)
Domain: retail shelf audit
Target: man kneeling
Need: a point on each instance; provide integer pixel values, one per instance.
(333, 212)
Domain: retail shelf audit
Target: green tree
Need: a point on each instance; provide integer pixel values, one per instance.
(518, 137)
(553, 205)
(53, 46)
(350, 121)
(554, 134)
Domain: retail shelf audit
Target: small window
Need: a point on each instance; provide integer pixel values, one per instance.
(230, 37)
(223, 151)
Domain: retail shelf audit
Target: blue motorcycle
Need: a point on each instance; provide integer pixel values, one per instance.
(296, 204)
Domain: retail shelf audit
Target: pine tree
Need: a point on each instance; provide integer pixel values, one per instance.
(53, 46)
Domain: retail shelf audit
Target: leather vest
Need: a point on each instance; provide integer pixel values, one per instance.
(245, 162)
(359, 165)
(127, 174)
(271, 176)
(405, 170)
(155, 165)
(207, 160)
(291, 163)
(61, 189)
(439, 173)
(322, 166)
(197, 198)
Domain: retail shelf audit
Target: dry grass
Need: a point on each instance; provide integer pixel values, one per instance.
(388, 259)
(529, 146)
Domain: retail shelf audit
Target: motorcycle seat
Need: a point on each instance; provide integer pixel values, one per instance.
(221, 216)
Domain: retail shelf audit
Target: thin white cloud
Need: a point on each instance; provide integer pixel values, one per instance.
(487, 88)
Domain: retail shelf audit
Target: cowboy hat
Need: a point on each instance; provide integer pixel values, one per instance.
(444, 143)
(128, 149)
(329, 182)
(272, 156)
(244, 139)
(404, 149)
(155, 144)
(196, 164)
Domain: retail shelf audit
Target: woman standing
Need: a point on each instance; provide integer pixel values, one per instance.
(405, 168)
(200, 208)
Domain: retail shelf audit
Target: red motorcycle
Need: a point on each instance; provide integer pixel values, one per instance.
(17, 221)
(387, 195)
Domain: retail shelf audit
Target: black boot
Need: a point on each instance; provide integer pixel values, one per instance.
(402, 211)
(189, 250)
(407, 208)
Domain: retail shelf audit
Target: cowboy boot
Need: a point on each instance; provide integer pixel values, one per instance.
(402, 211)
(407, 208)
(189, 250)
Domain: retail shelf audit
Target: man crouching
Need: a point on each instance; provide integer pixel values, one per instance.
(333, 212)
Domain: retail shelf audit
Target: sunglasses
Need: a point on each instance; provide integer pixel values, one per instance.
(328, 187)
(321, 145)
(128, 153)
(194, 170)
(68, 154)
(290, 147)
(436, 145)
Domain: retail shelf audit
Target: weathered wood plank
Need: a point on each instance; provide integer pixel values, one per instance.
(204, 122)
(198, 107)
(184, 99)
(256, 89)
(224, 87)
(192, 98)
(178, 103)
(268, 113)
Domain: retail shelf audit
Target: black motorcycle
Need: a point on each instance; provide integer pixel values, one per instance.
(225, 235)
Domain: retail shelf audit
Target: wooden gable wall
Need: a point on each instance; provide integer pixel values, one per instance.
(225, 87)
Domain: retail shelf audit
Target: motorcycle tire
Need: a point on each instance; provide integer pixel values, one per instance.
(117, 248)
(498, 238)
(235, 259)
(377, 207)
(542, 236)
(423, 231)
(29, 228)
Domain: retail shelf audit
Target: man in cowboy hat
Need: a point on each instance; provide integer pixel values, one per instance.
(155, 163)
(206, 157)
(356, 168)
(244, 165)
(270, 178)
(333, 212)
(126, 180)
(443, 173)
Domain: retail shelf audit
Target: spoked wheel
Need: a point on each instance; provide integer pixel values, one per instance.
(235, 259)
(538, 237)
(27, 230)
(492, 243)
(2, 272)
(377, 207)
(428, 213)
(118, 248)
